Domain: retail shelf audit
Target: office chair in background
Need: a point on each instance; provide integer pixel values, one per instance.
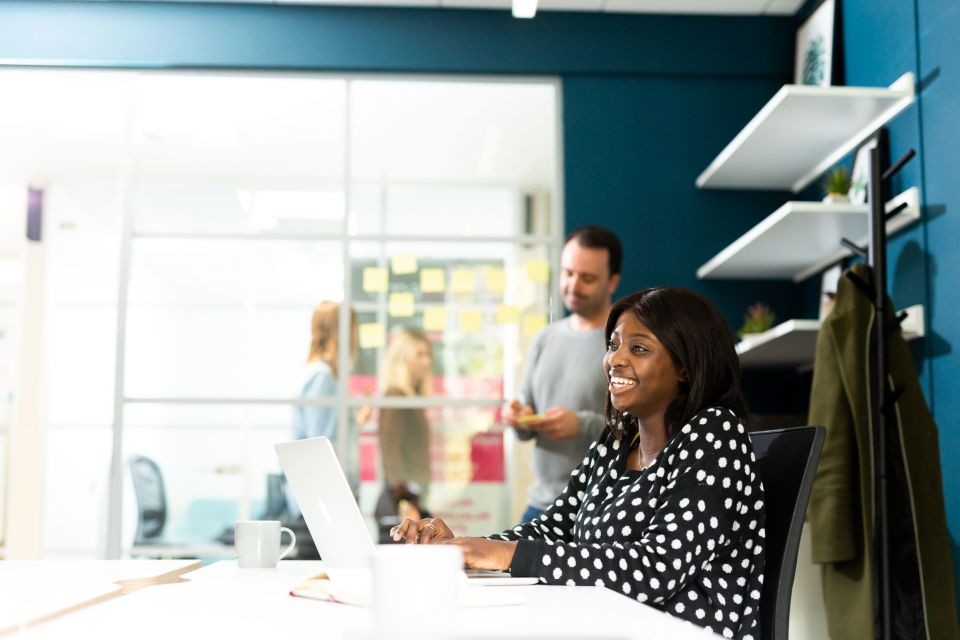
(787, 463)
(151, 539)
(151, 500)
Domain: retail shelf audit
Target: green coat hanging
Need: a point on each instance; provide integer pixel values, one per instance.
(923, 602)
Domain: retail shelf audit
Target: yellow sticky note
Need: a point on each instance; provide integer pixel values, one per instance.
(538, 270)
(434, 319)
(374, 279)
(433, 280)
(533, 324)
(400, 305)
(406, 263)
(507, 314)
(495, 279)
(470, 321)
(372, 335)
(463, 281)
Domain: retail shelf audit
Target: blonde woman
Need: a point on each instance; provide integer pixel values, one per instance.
(404, 433)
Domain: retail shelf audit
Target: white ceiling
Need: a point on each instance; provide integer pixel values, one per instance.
(704, 7)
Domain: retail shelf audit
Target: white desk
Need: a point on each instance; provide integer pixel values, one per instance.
(222, 601)
(31, 592)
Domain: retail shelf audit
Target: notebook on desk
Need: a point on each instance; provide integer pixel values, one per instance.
(334, 519)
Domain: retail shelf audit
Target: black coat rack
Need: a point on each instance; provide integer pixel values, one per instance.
(884, 397)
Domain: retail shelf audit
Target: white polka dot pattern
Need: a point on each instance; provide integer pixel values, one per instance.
(685, 535)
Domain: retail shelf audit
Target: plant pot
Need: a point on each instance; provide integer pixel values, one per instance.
(836, 198)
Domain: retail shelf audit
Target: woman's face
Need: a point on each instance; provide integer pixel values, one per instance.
(421, 362)
(642, 378)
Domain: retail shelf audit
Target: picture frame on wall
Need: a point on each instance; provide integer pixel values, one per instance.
(860, 172)
(817, 60)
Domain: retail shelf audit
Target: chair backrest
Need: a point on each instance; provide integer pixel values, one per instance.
(151, 498)
(787, 462)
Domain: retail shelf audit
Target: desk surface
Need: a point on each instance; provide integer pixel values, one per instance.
(34, 591)
(221, 600)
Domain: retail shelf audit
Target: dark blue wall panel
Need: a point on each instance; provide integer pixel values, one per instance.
(882, 40)
(938, 29)
(331, 38)
(648, 100)
(634, 147)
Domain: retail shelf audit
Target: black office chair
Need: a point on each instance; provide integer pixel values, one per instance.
(151, 499)
(787, 462)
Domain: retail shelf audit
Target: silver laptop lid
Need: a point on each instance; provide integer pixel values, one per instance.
(327, 504)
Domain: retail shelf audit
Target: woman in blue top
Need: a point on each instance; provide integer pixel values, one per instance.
(319, 378)
(667, 506)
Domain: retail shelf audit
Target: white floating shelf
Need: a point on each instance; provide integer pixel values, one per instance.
(794, 343)
(801, 132)
(789, 344)
(801, 238)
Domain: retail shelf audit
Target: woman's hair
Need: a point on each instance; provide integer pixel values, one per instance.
(323, 334)
(700, 345)
(396, 365)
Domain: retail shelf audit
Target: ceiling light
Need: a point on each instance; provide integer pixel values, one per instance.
(524, 8)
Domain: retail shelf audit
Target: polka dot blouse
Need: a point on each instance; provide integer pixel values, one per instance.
(684, 535)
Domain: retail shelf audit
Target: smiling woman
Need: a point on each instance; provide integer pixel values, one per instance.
(666, 506)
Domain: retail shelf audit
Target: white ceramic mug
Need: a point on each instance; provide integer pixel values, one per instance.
(258, 543)
(416, 590)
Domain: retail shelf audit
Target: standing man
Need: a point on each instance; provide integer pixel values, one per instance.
(561, 403)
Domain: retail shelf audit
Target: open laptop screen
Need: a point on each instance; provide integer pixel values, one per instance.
(327, 504)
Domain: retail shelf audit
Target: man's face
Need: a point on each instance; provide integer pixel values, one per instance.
(585, 281)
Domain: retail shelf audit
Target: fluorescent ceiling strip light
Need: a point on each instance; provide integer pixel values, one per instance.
(524, 8)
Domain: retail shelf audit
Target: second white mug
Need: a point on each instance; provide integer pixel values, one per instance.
(257, 543)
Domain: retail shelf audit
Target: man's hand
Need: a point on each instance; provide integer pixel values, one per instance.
(559, 423)
(513, 411)
(480, 553)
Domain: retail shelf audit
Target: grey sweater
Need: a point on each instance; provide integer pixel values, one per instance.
(564, 369)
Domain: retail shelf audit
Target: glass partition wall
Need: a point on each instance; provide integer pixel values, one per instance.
(240, 203)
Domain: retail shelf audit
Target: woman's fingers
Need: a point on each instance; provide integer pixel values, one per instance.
(399, 532)
(421, 531)
(434, 530)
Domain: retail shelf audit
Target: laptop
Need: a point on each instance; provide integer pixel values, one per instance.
(333, 516)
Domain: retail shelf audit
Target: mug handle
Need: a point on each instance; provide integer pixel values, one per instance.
(289, 547)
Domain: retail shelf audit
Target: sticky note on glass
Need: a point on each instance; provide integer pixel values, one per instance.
(470, 321)
(463, 281)
(538, 270)
(374, 279)
(507, 314)
(403, 264)
(400, 305)
(533, 324)
(433, 280)
(372, 335)
(494, 279)
(434, 319)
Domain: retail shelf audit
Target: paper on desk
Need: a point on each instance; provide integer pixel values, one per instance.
(319, 587)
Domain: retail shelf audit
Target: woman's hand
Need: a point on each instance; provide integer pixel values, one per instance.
(478, 553)
(426, 531)
(481, 553)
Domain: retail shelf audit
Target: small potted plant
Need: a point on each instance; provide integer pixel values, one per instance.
(757, 319)
(837, 185)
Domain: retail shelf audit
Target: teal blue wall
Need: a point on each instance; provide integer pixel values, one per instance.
(648, 101)
(883, 39)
